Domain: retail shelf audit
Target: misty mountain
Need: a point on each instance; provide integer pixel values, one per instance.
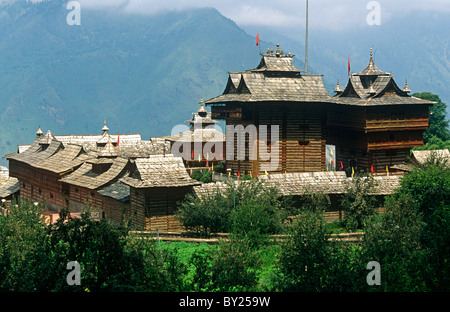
(143, 74)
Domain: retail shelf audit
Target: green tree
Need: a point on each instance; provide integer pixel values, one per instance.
(305, 254)
(206, 215)
(394, 241)
(358, 202)
(22, 231)
(34, 255)
(259, 211)
(412, 240)
(439, 125)
(235, 266)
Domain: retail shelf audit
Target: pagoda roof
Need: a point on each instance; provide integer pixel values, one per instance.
(374, 87)
(274, 80)
(202, 129)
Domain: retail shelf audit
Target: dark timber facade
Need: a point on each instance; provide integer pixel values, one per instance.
(368, 125)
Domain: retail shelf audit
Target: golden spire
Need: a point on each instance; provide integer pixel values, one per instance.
(105, 128)
(406, 89)
(338, 88)
(39, 132)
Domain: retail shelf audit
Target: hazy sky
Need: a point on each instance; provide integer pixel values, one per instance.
(327, 14)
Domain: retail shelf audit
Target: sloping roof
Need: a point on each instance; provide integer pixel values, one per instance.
(198, 135)
(290, 184)
(68, 158)
(374, 87)
(159, 171)
(91, 141)
(141, 148)
(117, 190)
(422, 156)
(202, 129)
(274, 80)
(84, 177)
(37, 152)
(8, 186)
(331, 182)
(276, 63)
(109, 150)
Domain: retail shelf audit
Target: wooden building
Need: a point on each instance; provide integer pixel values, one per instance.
(9, 186)
(75, 171)
(377, 123)
(275, 94)
(202, 146)
(157, 185)
(371, 123)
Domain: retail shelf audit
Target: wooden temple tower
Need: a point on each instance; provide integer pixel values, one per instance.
(376, 123)
(276, 93)
(368, 125)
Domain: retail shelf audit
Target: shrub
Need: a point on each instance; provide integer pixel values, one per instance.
(358, 202)
(206, 215)
(234, 267)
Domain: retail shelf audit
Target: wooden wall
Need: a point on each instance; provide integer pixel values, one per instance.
(406, 117)
(38, 185)
(81, 197)
(301, 141)
(155, 208)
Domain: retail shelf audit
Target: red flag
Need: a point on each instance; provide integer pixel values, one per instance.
(118, 135)
(342, 166)
(257, 38)
(192, 155)
(239, 174)
(348, 69)
(371, 168)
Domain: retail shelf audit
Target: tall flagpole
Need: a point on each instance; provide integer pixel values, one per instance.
(306, 41)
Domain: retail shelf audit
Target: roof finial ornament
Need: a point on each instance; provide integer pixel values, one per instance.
(39, 132)
(406, 89)
(105, 129)
(277, 53)
(371, 62)
(202, 111)
(338, 89)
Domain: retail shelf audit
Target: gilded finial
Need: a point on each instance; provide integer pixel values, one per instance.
(406, 89)
(105, 128)
(202, 111)
(338, 89)
(39, 132)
